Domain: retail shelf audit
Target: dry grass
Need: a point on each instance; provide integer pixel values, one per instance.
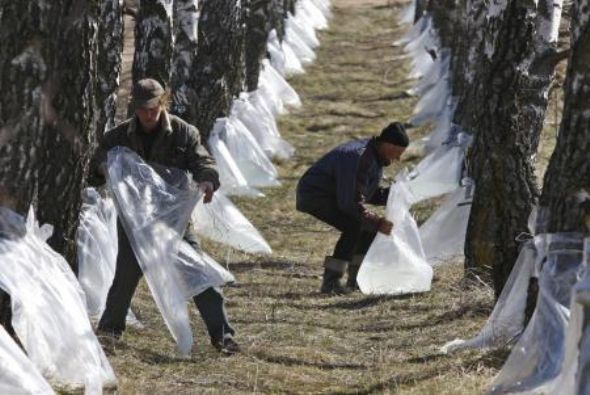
(293, 339)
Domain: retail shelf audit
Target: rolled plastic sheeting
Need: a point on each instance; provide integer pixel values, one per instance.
(537, 357)
(18, 375)
(253, 163)
(443, 234)
(506, 322)
(222, 222)
(97, 243)
(49, 310)
(231, 178)
(395, 264)
(439, 172)
(154, 209)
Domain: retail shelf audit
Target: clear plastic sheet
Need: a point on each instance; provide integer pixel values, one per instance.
(438, 71)
(439, 172)
(414, 32)
(537, 357)
(444, 128)
(443, 234)
(408, 13)
(418, 48)
(277, 57)
(307, 10)
(18, 375)
(49, 310)
(154, 208)
(303, 30)
(275, 83)
(97, 243)
(232, 180)
(253, 163)
(395, 264)
(324, 6)
(222, 222)
(506, 322)
(304, 53)
(431, 106)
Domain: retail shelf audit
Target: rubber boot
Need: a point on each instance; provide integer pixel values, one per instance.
(353, 269)
(333, 272)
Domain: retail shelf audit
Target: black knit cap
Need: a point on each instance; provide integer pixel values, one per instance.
(395, 134)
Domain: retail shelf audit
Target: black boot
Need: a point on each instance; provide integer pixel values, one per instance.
(353, 269)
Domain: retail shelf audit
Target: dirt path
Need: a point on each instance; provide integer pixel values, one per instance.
(294, 340)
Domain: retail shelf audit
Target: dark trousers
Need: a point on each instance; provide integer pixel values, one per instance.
(353, 238)
(210, 303)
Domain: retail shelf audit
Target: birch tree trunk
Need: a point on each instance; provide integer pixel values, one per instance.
(110, 51)
(186, 23)
(219, 69)
(153, 41)
(508, 118)
(258, 27)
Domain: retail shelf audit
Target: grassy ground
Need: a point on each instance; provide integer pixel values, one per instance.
(295, 340)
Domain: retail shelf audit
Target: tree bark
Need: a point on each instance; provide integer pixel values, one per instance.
(219, 69)
(109, 58)
(278, 17)
(258, 27)
(186, 23)
(508, 119)
(153, 41)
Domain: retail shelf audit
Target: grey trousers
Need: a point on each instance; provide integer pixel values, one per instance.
(210, 303)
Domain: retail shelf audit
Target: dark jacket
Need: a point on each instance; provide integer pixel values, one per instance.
(349, 175)
(176, 145)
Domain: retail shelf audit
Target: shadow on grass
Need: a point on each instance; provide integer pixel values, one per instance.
(392, 383)
(290, 361)
(368, 301)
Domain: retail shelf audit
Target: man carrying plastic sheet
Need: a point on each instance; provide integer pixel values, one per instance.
(165, 139)
(336, 190)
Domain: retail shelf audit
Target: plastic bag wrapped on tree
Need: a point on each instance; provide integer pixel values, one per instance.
(418, 48)
(433, 103)
(324, 7)
(506, 322)
(443, 234)
(253, 163)
(49, 310)
(222, 222)
(97, 244)
(395, 264)
(438, 71)
(231, 178)
(537, 357)
(18, 375)
(304, 53)
(309, 11)
(439, 172)
(303, 30)
(414, 32)
(282, 56)
(444, 129)
(154, 209)
(272, 80)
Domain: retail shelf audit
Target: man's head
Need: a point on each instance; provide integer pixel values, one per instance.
(392, 143)
(149, 98)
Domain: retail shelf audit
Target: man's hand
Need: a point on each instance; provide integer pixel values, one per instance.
(207, 188)
(385, 226)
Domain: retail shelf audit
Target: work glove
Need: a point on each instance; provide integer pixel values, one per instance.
(208, 190)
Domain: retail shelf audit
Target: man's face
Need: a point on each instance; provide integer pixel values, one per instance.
(149, 118)
(389, 153)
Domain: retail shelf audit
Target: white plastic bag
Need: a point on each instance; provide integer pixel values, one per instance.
(303, 30)
(253, 163)
(312, 14)
(272, 79)
(97, 243)
(221, 221)
(304, 53)
(18, 375)
(154, 208)
(396, 264)
(49, 310)
(506, 322)
(439, 172)
(537, 357)
(443, 234)
(231, 178)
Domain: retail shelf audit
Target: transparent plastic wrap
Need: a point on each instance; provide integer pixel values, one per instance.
(506, 322)
(231, 178)
(154, 208)
(415, 31)
(395, 264)
(309, 11)
(325, 7)
(18, 375)
(408, 13)
(222, 222)
(48, 309)
(439, 172)
(433, 103)
(443, 234)
(439, 70)
(272, 79)
(97, 244)
(537, 357)
(293, 65)
(419, 46)
(277, 57)
(444, 128)
(304, 53)
(303, 30)
(253, 163)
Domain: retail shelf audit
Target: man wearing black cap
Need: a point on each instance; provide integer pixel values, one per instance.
(336, 190)
(167, 140)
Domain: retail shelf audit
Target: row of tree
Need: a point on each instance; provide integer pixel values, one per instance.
(502, 67)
